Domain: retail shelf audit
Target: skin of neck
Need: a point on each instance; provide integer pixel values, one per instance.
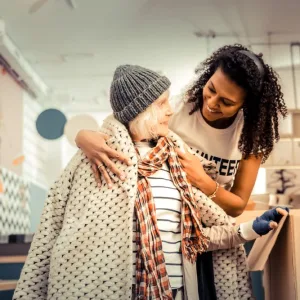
(222, 123)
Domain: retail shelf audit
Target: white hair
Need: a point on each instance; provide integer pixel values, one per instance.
(144, 126)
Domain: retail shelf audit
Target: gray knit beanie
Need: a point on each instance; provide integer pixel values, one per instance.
(133, 89)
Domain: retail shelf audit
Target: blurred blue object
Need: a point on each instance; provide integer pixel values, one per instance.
(50, 124)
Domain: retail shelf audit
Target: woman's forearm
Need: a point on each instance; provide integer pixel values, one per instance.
(235, 200)
(232, 204)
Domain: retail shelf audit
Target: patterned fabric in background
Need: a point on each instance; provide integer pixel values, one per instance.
(14, 204)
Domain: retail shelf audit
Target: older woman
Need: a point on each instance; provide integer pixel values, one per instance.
(140, 238)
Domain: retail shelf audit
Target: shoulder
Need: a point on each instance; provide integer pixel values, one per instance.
(120, 139)
(78, 158)
(181, 114)
(176, 139)
(240, 118)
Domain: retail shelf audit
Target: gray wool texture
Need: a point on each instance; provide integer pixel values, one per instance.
(133, 89)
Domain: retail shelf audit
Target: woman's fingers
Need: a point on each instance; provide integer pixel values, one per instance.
(110, 165)
(182, 162)
(184, 154)
(94, 146)
(102, 169)
(273, 225)
(105, 136)
(106, 154)
(187, 149)
(180, 153)
(96, 174)
(282, 211)
(119, 156)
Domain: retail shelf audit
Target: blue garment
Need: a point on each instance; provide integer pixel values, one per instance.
(261, 225)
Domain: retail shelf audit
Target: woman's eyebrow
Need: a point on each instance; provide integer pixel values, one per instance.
(222, 97)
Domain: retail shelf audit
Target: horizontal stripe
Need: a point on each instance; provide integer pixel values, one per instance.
(165, 220)
(175, 232)
(159, 178)
(167, 209)
(169, 198)
(163, 187)
(165, 170)
(168, 264)
(167, 242)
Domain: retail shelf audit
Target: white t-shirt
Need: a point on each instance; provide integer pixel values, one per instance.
(218, 145)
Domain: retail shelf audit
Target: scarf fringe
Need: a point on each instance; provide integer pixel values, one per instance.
(192, 247)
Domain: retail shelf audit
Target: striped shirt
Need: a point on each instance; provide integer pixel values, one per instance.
(168, 212)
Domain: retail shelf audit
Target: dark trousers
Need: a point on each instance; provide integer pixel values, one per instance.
(205, 275)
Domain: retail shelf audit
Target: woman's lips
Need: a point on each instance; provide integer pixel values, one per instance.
(212, 110)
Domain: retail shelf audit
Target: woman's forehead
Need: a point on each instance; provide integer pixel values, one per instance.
(163, 96)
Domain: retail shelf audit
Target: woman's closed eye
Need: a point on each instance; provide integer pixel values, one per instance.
(211, 90)
(163, 102)
(227, 103)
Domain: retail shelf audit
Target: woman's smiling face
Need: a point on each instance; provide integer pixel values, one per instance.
(222, 97)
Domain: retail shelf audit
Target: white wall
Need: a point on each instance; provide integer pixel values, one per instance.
(18, 135)
(279, 57)
(11, 126)
(53, 160)
(34, 146)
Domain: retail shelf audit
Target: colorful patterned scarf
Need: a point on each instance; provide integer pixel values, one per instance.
(151, 276)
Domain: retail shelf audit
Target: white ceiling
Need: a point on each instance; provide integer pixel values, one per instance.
(76, 51)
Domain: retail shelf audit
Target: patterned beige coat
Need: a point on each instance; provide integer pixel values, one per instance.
(83, 246)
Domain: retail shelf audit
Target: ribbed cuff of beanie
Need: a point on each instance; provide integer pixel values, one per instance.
(144, 100)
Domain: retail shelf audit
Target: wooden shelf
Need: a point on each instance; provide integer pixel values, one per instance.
(7, 285)
(12, 259)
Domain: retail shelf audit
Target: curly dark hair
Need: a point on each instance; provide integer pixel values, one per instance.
(263, 103)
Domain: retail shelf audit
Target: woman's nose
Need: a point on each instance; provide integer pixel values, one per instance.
(169, 111)
(213, 101)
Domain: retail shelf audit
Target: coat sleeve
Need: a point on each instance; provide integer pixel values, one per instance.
(223, 237)
(33, 282)
(217, 225)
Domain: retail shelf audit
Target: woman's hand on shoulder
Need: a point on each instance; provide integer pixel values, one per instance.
(93, 145)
